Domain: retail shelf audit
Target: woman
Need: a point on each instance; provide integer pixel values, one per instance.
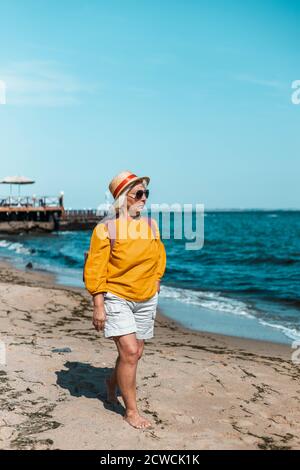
(124, 266)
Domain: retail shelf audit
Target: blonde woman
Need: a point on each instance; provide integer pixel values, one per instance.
(125, 263)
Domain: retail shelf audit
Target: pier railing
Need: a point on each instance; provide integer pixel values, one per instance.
(31, 201)
(80, 212)
(80, 219)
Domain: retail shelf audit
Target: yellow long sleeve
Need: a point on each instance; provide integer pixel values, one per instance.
(131, 267)
(162, 257)
(162, 260)
(95, 271)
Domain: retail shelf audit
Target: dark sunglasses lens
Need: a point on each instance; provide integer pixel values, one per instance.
(139, 193)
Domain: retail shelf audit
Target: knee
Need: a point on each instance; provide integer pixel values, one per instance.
(131, 355)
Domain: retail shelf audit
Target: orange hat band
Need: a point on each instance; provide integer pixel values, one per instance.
(122, 184)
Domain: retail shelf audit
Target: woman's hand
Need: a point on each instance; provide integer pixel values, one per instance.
(99, 315)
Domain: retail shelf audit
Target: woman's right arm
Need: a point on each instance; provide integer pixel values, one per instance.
(95, 272)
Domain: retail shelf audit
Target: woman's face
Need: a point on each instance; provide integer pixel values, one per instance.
(134, 205)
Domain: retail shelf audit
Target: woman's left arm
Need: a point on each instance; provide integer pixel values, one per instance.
(95, 269)
(162, 262)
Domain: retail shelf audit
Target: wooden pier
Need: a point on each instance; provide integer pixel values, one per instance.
(81, 219)
(30, 214)
(44, 215)
(41, 213)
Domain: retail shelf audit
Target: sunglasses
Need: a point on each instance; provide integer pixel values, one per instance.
(139, 194)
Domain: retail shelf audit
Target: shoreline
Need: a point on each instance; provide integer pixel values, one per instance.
(47, 279)
(35, 277)
(200, 390)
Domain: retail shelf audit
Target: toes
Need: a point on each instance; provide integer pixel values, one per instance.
(139, 423)
(146, 423)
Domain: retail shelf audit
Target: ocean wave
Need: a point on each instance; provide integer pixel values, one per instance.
(15, 246)
(290, 332)
(4, 243)
(65, 259)
(210, 300)
(57, 256)
(217, 302)
(292, 302)
(248, 260)
(269, 260)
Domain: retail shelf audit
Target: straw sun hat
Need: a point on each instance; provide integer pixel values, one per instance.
(123, 181)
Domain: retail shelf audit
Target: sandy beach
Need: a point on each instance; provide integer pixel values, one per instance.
(201, 391)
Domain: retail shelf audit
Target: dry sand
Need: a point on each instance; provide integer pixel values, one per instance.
(201, 391)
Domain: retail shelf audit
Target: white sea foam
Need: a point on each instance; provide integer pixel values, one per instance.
(291, 333)
(15, 246)
(210, 300)
(215, 301)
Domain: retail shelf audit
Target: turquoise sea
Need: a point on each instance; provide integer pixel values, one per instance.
(245, 281)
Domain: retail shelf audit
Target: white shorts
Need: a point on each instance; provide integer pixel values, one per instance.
(126, 316)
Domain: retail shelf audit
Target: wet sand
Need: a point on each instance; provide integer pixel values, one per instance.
(200, 390)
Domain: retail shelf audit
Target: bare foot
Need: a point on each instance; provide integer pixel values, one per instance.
(111, 393)
(137, 421)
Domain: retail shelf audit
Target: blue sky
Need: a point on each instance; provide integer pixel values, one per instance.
(195, 94)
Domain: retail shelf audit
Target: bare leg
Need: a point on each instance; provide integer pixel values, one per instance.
(129, 353)
(111, 385)
(141, 344)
